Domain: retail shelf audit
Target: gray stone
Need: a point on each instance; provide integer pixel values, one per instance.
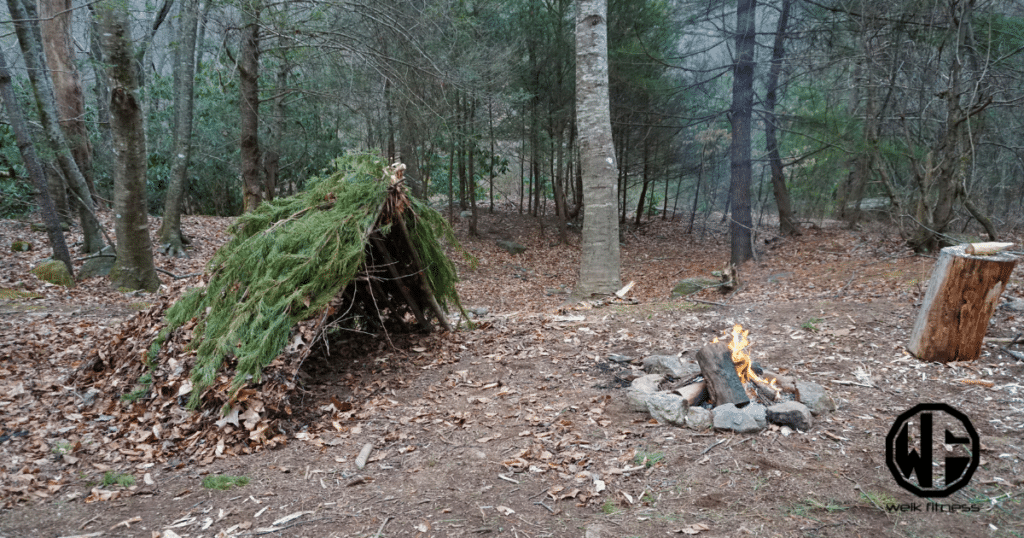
(465, 214)
(698, 418)
(670, 365)
(641, 390)
(689, 286)
(479, 311)
(814, 397)
(511, 247)
(793, 414)
(614, 357)
(647, 383)
(667, 408)
(757, 412)
(99, 266)
(1013, 305)
(728, 417)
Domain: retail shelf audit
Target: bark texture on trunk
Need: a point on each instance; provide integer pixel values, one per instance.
(963, 292)
(34, 168)
(599, 264)
(741, 225)
(787, 223)
(55, 28)
(24, 14)
(134, 266)
(172, 241)
(249, 113)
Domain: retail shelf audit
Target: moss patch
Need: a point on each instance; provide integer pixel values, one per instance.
(54, 272)
(7, 294)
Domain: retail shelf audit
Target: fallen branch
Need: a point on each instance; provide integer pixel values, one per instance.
(176, 277)
(706, 302)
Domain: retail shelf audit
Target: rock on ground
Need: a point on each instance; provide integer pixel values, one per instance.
(814, 397)
(670, 365)
(793, 414)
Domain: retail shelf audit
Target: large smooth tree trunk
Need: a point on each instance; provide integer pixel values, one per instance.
(248, 72)
(34, 167)
(599, 263)
(787, 223)
(134, 266)
(24, 14)
(172, 241)
(741, 226)
(55, 28)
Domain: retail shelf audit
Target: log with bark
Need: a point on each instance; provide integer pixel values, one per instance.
(963, 292)
(723, 383)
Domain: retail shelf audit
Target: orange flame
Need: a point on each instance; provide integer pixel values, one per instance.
(741, 359)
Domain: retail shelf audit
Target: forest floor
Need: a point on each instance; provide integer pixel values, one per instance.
(521, 428)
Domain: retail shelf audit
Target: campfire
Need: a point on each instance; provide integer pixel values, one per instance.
(744, 367)
(725, 389)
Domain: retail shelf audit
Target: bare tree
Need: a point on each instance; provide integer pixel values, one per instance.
(741, 225)
(599, 264)
(249, 104)
(171, 238)
(24, 14)
(35, 169)
(134, 266)
(787, 224)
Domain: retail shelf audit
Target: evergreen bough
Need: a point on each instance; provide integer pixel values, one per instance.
(290, 257)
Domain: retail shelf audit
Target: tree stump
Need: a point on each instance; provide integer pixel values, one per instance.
(963, 292)
(723, 383)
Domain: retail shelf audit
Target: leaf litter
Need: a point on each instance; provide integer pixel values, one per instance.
(516, 428)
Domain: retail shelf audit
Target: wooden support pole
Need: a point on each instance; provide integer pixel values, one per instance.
(424, 283)
(723, 383)
(390, 262)
(963, 292)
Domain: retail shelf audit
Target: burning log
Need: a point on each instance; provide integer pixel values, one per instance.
(729, 372)
(962, 295)
(723, 383)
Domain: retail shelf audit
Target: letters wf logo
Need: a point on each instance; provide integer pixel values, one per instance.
(912, 453)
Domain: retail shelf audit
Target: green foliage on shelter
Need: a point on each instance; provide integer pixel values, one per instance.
(289, 258)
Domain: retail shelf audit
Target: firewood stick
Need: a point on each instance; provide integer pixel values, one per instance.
(984, 249)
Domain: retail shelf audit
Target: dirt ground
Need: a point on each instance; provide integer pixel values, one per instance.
(520, 428)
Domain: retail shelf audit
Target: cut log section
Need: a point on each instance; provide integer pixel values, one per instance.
(963, 292)
(723, 383)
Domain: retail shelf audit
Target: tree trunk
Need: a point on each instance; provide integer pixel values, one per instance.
(249, 112)
(963, 292)
(471, 166)
(55, 28)
(24, 13)
(787, 224)
(599, 264)
(101, 87)
(134, 266)
(645, 182)
(35, 169)
(172, 241)
(741, 225)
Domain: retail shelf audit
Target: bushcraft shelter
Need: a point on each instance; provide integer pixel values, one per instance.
(353, 252)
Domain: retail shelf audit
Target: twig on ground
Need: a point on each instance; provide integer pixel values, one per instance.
(545, 506)
(706, 302)
(176, 277)
(847, 285)
(713, 445)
